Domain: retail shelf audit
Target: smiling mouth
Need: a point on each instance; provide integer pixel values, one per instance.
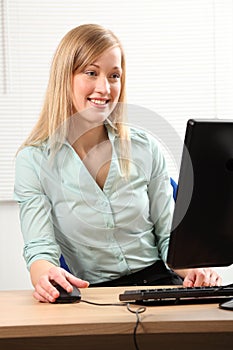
(97, 101)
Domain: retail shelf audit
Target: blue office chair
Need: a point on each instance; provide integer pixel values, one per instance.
(63, 263)
(174, 186)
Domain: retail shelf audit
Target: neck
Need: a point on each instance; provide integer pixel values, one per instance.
(85, 137)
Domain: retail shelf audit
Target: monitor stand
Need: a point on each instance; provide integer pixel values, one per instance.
(227, 305)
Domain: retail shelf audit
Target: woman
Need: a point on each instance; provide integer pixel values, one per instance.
(88, 186)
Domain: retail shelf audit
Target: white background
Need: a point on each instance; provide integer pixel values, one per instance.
(179, 66)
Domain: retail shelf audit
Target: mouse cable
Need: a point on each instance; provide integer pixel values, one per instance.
(102, 304)
(136, 312)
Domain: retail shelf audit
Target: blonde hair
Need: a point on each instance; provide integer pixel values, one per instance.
(79, 47)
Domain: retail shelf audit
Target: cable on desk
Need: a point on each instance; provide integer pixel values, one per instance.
(136, 312)
(102, 304)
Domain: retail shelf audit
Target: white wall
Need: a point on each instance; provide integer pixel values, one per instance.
(13, 272)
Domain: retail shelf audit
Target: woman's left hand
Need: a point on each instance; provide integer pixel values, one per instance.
(200, 277)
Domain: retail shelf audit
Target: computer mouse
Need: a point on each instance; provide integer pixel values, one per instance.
(65, 297)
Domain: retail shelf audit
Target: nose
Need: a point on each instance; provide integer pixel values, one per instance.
(102, 85)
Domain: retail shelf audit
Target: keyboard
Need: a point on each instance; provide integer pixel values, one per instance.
(176, 295)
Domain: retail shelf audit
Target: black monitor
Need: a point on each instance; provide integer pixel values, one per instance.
(202, 230)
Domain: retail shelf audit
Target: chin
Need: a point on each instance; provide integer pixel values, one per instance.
(95, 115)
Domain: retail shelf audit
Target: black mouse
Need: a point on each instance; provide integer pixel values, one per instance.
(65, 297)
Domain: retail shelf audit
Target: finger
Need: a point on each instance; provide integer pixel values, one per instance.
(69, 281)
(187, 282)
(189, 279)
(207, 273)
(47, 291)
(39, 297)
(194, 278)
(211, 278)
(219, 281)
(77, 282)
(59, 276)
(49, 286)
(215, 279)
(66, 279)
(201, 278)
(63, 280)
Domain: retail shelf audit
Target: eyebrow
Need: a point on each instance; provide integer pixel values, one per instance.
(97, 66)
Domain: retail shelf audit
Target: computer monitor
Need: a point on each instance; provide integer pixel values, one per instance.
(202, 230)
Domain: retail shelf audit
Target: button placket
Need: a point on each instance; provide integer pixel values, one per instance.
(108, 215)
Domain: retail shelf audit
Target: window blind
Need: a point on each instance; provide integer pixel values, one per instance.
(179, 65)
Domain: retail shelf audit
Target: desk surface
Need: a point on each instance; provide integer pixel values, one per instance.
(23, 317)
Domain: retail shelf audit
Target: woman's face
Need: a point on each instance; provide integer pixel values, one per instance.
(97, 88)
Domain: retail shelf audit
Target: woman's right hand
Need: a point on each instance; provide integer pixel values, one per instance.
(45, 290)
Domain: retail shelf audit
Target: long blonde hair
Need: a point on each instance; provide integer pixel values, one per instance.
(79, 47)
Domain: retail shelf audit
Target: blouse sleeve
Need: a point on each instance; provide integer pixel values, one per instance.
(161, 200)
(35, 209)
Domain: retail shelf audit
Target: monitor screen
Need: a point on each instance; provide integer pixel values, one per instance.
(202, 229)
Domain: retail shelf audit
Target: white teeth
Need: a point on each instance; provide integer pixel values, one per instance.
(99, 102)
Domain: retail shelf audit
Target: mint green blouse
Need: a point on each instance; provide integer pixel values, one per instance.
(103, 234)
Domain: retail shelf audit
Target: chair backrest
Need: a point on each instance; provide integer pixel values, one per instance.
(63, 263)
(174, 186)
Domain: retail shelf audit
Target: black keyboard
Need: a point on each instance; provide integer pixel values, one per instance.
(176, 295)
